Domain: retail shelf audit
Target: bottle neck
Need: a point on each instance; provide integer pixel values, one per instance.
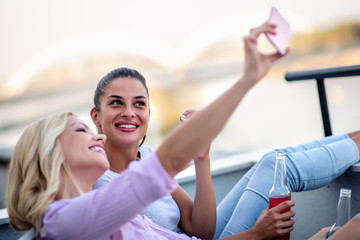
(343, 213)
(279, 187)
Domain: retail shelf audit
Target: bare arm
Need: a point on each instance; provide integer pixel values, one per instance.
(198, 217)
(321, 235)
(350, 231)
(186, 141)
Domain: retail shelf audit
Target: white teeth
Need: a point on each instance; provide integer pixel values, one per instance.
(97, 149)
(126, 126)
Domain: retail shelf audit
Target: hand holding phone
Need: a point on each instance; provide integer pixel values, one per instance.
(281, 38)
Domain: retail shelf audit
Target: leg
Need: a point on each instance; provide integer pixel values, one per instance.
(315, 143)
(226, 207)
(319, 166)
(231, 202)
(309, 166)
(232, 213)
(354, 134)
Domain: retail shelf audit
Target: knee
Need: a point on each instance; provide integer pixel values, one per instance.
(267, 165)
(268, 156)
(268, 160)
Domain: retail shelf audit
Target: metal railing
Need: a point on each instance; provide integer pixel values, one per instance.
(319, 75)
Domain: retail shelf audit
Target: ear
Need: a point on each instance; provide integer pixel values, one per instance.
(95, 117)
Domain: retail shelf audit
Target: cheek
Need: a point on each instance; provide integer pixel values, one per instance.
(66, 147)
(106, 118)
(145, 118)
(71, 157)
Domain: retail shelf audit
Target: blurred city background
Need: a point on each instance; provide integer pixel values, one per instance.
(53, 53)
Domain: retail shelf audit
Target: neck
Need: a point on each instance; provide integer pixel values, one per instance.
(120, 156)
(71, 186)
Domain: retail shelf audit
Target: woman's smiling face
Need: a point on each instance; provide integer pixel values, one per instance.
(124, 111)
(83, 150)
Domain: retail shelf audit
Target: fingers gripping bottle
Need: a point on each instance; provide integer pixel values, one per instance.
(343, 212)
(279, 192)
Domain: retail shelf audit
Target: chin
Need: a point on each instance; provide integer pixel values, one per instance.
(130, 141)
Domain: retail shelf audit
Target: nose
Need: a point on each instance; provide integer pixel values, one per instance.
(100, 138)
(128, 112)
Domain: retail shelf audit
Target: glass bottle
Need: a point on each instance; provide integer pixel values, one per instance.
(279, 192)
(343, 212)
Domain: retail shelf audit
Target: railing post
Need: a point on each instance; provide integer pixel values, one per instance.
(324, 106)
(319, 75)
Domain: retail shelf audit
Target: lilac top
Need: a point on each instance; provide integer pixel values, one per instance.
(112, 212)
(164, 212)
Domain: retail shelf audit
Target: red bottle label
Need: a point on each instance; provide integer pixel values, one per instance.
(274, 201)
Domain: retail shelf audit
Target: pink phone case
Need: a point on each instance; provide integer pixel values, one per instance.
(281, 39)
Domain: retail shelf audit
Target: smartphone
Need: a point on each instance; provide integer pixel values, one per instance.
(281, 39)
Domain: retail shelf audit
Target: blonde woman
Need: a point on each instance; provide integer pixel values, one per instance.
(35, 172)
(57, 160)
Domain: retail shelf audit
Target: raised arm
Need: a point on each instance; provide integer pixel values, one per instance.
(198, 217)
(182, 145)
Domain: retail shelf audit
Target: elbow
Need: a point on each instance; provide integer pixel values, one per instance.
(208, 231)
(210, 234)
(203, 231)
(206, 234)
(173, 163)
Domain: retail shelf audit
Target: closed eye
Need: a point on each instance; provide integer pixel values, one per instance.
(81, 130)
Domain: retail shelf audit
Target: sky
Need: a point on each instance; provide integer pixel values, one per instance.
(39, 32)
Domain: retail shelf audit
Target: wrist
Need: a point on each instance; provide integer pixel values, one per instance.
(254, 235)
(247, 82)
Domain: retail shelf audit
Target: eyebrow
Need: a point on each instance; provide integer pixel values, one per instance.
(117, 96)
(86, 126)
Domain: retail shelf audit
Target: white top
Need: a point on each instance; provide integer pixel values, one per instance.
(164, 212)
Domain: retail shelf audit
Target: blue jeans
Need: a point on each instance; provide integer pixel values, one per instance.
(308, 166)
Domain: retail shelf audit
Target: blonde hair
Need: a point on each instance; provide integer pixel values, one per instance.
(35, 172)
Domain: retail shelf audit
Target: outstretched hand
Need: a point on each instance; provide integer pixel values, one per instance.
(258, 64)
(271, 223)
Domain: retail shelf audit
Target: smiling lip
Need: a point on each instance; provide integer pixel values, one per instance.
(127, 126)
(97, 148)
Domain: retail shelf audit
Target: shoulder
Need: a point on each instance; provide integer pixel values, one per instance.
(54, 208)
(57, 205)
(107, 177)
(50, 218)
(145, 150)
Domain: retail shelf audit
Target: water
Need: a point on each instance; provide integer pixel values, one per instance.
(280, 113)
(274, 113)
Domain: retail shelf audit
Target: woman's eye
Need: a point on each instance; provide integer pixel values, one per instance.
(81, 130)
(116, 102)
(140, 103)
